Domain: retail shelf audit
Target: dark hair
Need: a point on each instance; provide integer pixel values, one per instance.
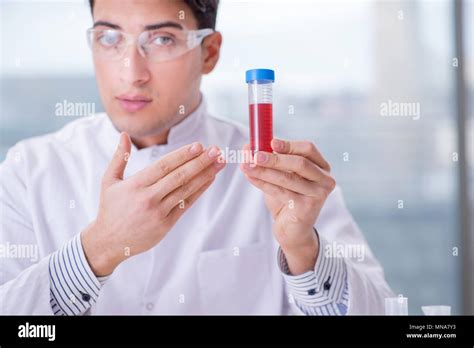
(205, 11)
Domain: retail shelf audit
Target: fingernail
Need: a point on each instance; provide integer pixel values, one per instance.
(195, 148)
(213, 152)
(261, 157)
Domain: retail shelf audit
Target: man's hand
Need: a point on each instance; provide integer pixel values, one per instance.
(136, 214)
(296, 182)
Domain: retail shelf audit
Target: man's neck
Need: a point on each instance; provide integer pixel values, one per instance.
(162, 138)
(151, 140)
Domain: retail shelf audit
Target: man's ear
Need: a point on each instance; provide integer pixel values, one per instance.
(211, 48)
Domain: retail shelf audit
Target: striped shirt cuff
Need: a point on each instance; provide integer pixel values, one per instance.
(73, 286)
(323, 291)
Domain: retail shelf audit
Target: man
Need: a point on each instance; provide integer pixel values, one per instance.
(135, 212)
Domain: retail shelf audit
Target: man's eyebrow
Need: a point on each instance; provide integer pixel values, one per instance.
(147, 27)
(163, 24)
(106, 24)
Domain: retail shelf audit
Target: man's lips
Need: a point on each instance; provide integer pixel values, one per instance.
(133, 103)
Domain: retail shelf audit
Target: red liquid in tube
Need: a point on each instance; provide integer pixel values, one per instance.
(261, 127)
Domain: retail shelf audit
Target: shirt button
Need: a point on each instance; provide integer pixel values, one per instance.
(327, 284)
(150, 306)
(86, 297)
(312, 292)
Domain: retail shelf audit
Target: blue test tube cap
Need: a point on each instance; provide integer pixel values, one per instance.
(259, 75)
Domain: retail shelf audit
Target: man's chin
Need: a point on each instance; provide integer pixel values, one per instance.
(138, 128)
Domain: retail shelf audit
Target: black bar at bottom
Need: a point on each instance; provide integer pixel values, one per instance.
(136, 330)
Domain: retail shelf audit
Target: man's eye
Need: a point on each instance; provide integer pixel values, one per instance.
(109, 39)
(163, 41)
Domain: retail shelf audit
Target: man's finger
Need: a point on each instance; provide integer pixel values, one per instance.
(182, 193)
(185, 172)
(290, 163)
(279, 193)
(179, 209)
(288, 180)
(118, 162)
(165, 165)
(301, 148)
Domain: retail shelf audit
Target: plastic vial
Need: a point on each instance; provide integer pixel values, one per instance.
(436, 310)
(260, 87)
(396, 305)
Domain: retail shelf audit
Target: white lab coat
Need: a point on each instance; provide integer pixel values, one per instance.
(220, 257)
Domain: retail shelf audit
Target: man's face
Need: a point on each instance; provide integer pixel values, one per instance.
(168, 90)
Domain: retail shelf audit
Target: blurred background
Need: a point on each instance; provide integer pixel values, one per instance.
(408, 180)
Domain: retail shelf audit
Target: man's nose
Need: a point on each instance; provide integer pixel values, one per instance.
(134, 68)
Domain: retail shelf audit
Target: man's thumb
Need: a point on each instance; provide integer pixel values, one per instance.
(118, 163)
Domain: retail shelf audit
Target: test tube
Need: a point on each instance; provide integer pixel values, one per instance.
(260, 93)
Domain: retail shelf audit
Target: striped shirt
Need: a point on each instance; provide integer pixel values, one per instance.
(322, 291)
(75, 288)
